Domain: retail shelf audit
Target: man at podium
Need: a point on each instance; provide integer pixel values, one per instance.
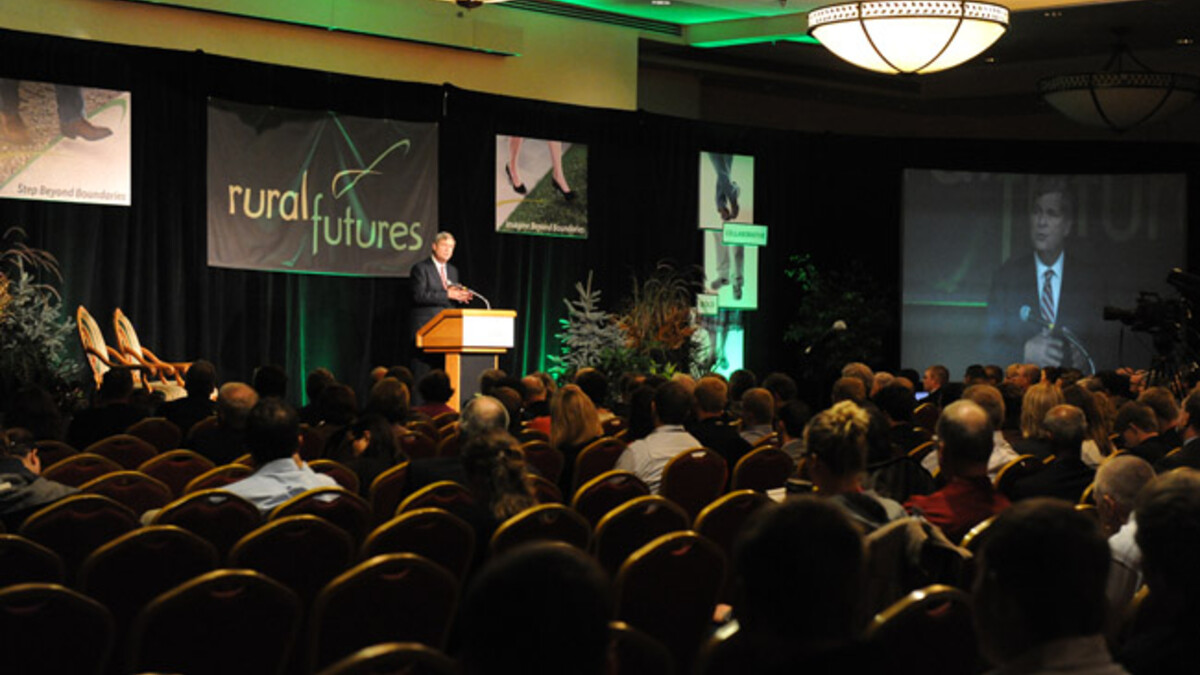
(435, 287)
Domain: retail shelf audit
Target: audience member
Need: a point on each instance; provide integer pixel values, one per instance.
(848, 389)
(897, 404)
(1168, 534)
(536, 402)
(710, 425)
(793, 417)
(557, 592)
(368, 448)
(758, 415)
(1066, 477)
(965, 443)
(641, 413)
(1035, 437)
(1138, 428)
(799, 568)
(647, 457)
(481, 415)
(510, 398)
(595, 385)
(389, 399)
(273, 436)
(34, 409)
(198, 404)
(111, 414)
(270, 381)
(992, 402)
(935, 382)
(1118, 483)
(22, 488)
(1166, 413)
(1189, 453)
(782, 387)
(740, 381)
(574, 424)
(836, 440)
(1096, 446)
(1039, 591)
(314, 385)
(435, 391)
(863, 373)
(226, 441)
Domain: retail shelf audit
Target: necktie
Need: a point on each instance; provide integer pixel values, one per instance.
(1048, 298)
(442, 272)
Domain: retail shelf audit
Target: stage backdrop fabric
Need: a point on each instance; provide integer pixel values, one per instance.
(319, 192)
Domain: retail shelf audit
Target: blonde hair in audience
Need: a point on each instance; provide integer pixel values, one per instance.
(573, 417)
(1038, 401)
(838, 437)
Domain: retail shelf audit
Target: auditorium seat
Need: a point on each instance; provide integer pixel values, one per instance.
(219, 517)
(595, 458)
(437, 534)
(50, 629)
(77, 525)
(76, 470)
(547, 460)
(606, 492)
(218, 477)
(337, 505)
(764, 468)
(632, 525)
(134, 489)
(929, 630)
(410, 658)
(157, 431)
(302, 552)
(386, 491)
(128, 451)
(24, 561)
(694, 478)
(176, 468)
(339, 472)
(544, 522)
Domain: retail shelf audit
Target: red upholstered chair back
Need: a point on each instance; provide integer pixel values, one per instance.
(416, 445)
(765, 468)
(634, 524)
(177, 468)
(722, 521)
(597, 457)
(544, 522)
(443, 494)
(303, 552)
(439, 535)
(386, 492)
(219, 517)
(78, 469)
(244, 618)
(411, 658)
(51, 452)
(23, 561)
(668, 588)
(218, 477)
(694, 478)
(398, 597)
(929, 630)
(339, 472)
(547, 460)
(337, 505)
(157, 431)
(52, 629)
(606, 492)
(77, 525)
(128, 451)
(134, 489)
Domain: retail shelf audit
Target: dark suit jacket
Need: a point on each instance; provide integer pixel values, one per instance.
(428, 296)
(1082, 296)
(1064, 478)
(1189, 456)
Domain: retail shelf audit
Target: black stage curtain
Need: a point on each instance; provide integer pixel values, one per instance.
(833, 196)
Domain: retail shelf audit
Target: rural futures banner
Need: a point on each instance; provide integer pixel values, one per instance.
(317, 192)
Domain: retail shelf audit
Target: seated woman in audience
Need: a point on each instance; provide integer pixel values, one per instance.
(1096, 446)
(837, 449)
(574, 423)
(1035, 437)
(368, 449)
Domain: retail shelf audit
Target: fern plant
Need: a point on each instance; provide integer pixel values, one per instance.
(34, 335)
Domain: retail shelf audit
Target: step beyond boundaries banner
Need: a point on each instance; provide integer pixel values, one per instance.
(316, 192)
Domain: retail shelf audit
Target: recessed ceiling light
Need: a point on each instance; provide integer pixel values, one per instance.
(1052, 14)
(660, 3)
(1184, 41)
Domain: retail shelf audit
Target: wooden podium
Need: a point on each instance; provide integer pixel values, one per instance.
(472, 340)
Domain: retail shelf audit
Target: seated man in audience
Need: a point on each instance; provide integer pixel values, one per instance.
(647, 457)
(992, 401)
(1168, 534)
(964, 444)
(226, 441)
(595, 385)
(1166, 413)
(270, 381)
(198, 404)
(758, 414)
(273, 436)
(1118, 482)
(481, 416)
(1067, 476)
(937, 384)
(848, 389)
(790, 423)
(1189, 453)
(1039, 591)
(541, 608)
(435, 391)
(711, 427)
(1138, 427)
(799, 569)
(863, 373)
(836, 440)
(111, 414)
(22, 488)
(782, 387)
(316, 383)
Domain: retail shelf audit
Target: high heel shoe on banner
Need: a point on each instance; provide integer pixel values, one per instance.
(519, 189)
(568, 195)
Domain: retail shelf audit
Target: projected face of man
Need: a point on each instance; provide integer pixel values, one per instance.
(1049, 225)
(443, 249)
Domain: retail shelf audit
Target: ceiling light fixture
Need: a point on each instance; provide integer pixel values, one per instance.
(1119, 97)
(908, 36)
(472, 4)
